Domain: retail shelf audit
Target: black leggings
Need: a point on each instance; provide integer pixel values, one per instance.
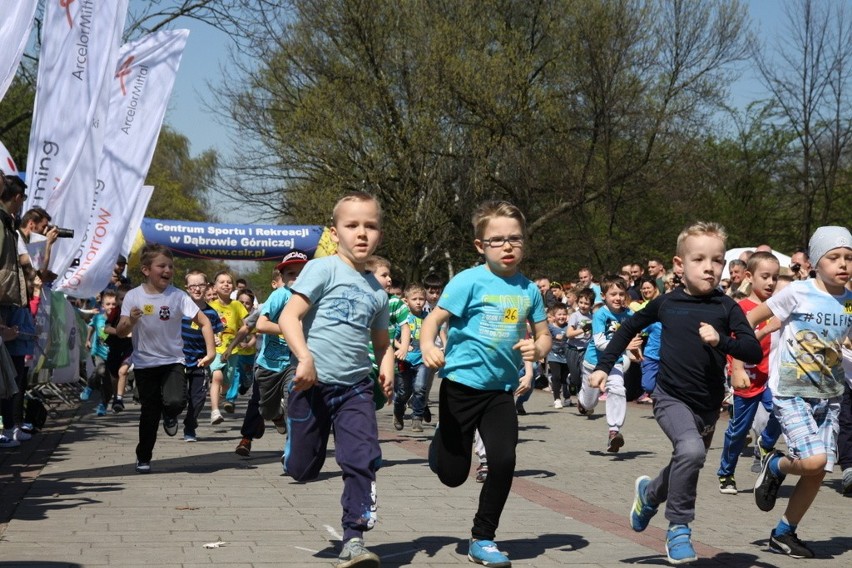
(463, 410)
(559, 379)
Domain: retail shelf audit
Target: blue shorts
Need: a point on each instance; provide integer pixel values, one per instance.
(810, 426)
(227, 368)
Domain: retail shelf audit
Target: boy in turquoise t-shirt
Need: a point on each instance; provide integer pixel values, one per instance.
(487, 309)
(410, 384)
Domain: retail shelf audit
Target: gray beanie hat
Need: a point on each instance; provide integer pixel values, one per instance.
(826, 238)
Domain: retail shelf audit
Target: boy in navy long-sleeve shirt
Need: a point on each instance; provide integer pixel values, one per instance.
(700, 327)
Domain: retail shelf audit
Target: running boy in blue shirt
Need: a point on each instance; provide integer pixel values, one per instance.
(336, 309)
(605, 322)
(487, 308)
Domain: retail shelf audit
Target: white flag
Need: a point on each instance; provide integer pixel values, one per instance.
(139, 97)
(78, 54)
(16, 21)
(139, 208)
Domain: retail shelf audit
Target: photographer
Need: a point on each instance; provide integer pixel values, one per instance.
(38, 237)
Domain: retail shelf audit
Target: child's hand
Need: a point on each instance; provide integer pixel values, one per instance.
(433, 357)
(634, 349)
(207, 359)
(224, 356)
(135, 313)
(708, 334)
(399, 354)
(217, 340)
(597, 380)
(740, 380)
(8, 333)
(527, 349)
(88, 344)
(524, 385)
(306, 375)
(387, 386)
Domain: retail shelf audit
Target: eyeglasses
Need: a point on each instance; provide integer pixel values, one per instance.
(498, 242)
(196, 286)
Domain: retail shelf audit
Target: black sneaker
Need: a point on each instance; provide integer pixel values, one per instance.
(727, 485)
(170, 425)
(767, 485)
(427, 415)
(519, 408)
(117, 405)
(398, 424)
(143, 467)
(790, 545)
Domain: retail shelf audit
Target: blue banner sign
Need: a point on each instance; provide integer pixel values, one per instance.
(231, 242)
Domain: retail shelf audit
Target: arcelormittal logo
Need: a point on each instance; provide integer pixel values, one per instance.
(123, 72)
(67, 5)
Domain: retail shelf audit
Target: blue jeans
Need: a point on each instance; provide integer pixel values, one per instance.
(744, 412)
(411, 384)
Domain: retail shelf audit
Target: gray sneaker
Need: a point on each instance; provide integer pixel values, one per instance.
(846, 483)
(416, 424)
(354, 553)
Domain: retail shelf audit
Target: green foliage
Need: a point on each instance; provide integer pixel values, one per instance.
(582, 112)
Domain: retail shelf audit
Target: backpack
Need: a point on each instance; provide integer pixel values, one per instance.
(35, 413)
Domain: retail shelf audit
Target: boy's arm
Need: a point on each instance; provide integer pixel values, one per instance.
(203, 322)
(290, 322)
(433, 357)
(384, 355)
(241, 334)
(265, 325)
(404, 341)
(621, 339)
(89, 334)
(525, 384)
(743, 345)
(739, 377)
(535, 349)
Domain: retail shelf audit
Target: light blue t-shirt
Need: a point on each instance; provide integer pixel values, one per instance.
(346, 305)
(273, 353)
(99, 346)
(489, 316)
(604, 325)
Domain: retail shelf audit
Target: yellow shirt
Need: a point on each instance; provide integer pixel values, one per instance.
(232, 316)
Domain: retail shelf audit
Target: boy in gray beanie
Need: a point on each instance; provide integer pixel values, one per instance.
(807, 381)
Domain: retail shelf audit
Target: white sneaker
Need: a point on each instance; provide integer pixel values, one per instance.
(20, 435)
(557, 403)
(216, 417)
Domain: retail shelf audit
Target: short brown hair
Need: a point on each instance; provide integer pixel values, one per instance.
(150, 252)
(492, 209)
(613, 281)
(374, 262)
(758, 257)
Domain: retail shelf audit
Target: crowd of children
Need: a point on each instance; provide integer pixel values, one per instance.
(332, 344)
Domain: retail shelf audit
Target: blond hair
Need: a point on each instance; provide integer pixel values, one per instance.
(699, 229)
(355, 196)
(493, 209)
(375, 262)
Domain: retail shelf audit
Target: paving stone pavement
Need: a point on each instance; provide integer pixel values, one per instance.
(569, 502)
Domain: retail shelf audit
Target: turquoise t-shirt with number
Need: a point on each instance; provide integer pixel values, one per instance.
(489, 315)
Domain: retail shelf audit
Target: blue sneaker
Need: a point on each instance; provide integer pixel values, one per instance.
(85, 393)
(100, 410)
(679, 548)
(641, 512)
(485, 552)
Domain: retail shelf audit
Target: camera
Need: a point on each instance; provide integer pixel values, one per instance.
(63, 233)
(795, 268)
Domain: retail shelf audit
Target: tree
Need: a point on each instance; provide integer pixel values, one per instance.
(808, 73)
(574, 110)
